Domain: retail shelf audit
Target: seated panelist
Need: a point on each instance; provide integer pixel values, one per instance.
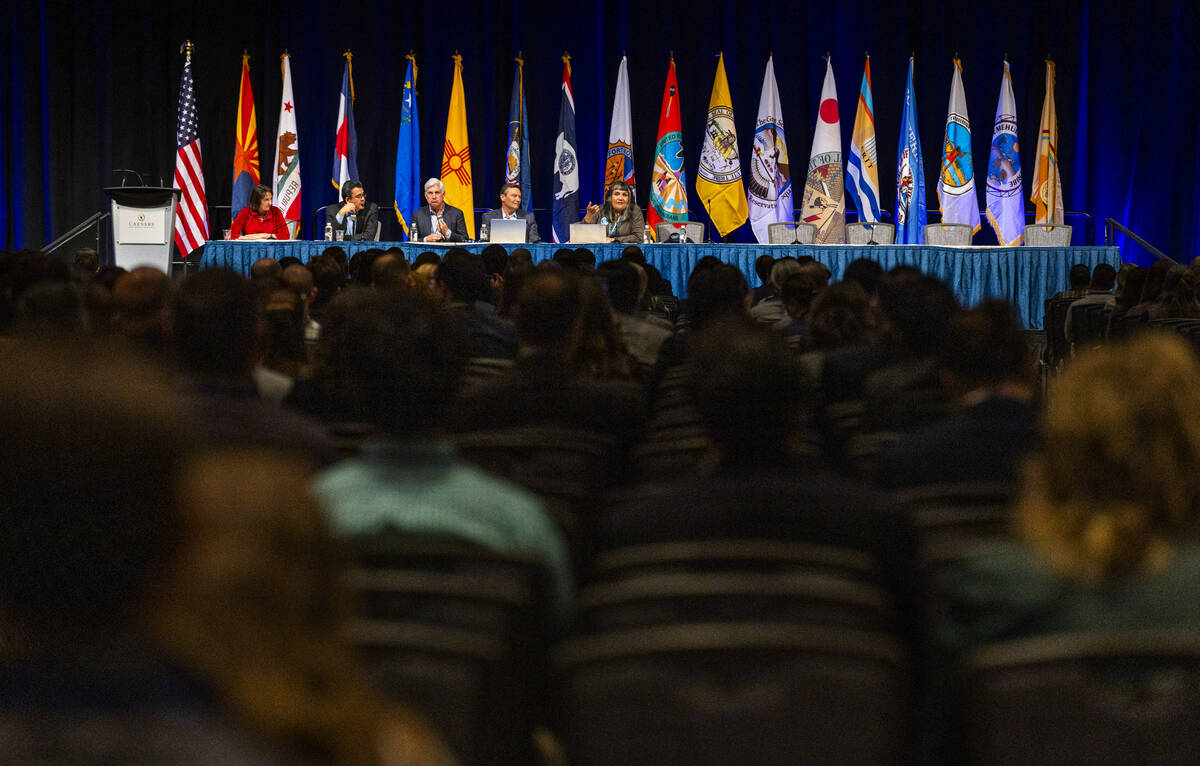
(259, 219)
(357, 218)
(510, 210)
(436, 221)
(620, 214)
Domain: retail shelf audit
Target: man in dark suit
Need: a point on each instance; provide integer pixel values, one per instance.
(356, 217)
(510, 209)
(436, 221)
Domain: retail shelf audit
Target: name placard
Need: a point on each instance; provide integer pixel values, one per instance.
(140, 226)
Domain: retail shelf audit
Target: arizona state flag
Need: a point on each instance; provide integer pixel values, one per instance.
(456, 153)
(245, 150)
(668, 187)
(719, 181)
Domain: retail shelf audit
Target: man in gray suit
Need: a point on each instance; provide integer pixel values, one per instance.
(510, 209)
(436, 221)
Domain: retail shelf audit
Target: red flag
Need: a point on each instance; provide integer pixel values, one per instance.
(668, 187)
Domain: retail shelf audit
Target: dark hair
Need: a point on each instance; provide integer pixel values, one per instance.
(86, 259)
(509, 185)
(547, 307)
(866, 272)
(800, 289)
(389, 270)
(349, 187)
(289, 260)
(623, 284)
(1080, 276)
(747, 387)
(400, 360)
(256, 196)
(1104, 276)
(584, 257)
(762, 267)
(495, 257)
(1178, 297)
(635, 254)
(461, 273)
(426, 257)
(520, 255)
(606, 209)
(1155, 277)
(838, 316)
(1135, 281)
(716, 292)
(985, 346)
(919, 308)
(216, 314)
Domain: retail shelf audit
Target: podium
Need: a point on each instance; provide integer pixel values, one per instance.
(143, 221)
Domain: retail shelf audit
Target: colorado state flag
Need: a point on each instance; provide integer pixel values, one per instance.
(345, 146)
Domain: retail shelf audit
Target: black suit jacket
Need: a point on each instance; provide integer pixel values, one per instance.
(531, 231)
(364, 227)
(451, 215)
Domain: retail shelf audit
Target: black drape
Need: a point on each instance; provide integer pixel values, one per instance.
(85, 90)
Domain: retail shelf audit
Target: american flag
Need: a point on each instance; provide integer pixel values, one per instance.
(191, 217)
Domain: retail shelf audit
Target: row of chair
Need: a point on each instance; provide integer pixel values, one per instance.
(1093, 324)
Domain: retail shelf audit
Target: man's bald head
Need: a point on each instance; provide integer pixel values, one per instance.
(266, 268)
(299, 280)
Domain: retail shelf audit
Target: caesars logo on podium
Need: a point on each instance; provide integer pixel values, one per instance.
(141, 227)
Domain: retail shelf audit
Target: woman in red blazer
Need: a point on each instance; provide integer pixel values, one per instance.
(259, 219)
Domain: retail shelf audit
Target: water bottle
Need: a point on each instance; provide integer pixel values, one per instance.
(646, 234)
(483, 232)
(412, 229)
(328, 232)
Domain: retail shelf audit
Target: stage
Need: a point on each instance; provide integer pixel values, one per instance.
(1026, 276)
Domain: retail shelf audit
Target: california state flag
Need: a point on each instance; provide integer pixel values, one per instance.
(287, 154)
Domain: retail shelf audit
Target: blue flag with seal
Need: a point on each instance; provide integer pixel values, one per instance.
(566, 162)
(910, 173)
(516, 165)
(408, 152)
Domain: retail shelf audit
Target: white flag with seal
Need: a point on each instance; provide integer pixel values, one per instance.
(287, 154)
(1005, 203)
(956, 181)
(824, 201)
(769, 187)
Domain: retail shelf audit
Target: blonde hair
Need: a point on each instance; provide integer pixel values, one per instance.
(1116, 480)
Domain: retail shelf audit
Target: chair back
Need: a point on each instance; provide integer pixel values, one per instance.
(710, 694)
(791, 233)
(1054, 323)
(1103, 699)
(693, 230)
(864, 233)
(1088, 324)
(1045, 235)
(949, 234)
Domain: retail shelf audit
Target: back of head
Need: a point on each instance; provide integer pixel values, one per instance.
(327, 275)
(461, 274)
(265, 268)
(399, 361)
(1155, 278)
(52, 310)
(781, 270)
(866, 272)
(918, 308)
(623, 283)
(799, 291)
(389, 270)
(762, 267)
(495, 258)
(299, 280)
(585, 258)
(1115, 485)
(140, 306)
(635, 254)
(714, 292)
(1178, 297)
(426, 257)
(548, 305)
(92, 445)
(838, 316)
(747, 387)
(1131, 294)
(984, 346)
(216, 324)
(1080, 276)
(86, 260)
(1104, 276)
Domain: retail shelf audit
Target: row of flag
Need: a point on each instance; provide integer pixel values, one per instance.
(764, 198)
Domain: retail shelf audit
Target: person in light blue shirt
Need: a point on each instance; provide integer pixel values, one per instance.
(356, 218)
(398, 366)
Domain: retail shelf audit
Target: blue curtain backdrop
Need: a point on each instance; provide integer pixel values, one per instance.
(86, 89)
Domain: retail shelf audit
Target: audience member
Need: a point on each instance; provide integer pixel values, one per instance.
(141, 309)
(460, 283)
(770, 310)
(84, 264)
(299, 280)
(762, 269)
(1155, 277)
(266, 269)
(1178, 297)
(643, 336)
(1099, 292)
(989, 373)
(1079, 277)
(399, 366)
(866, 272)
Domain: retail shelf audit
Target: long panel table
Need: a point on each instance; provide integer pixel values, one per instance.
(1026, 276)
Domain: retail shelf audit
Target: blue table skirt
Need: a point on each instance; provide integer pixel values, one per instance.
(1026, 276)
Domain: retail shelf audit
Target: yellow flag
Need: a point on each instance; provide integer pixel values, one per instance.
(456, 154)
(720, 180)
(1046, 194)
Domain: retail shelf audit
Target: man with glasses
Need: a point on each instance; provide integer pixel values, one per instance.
(357, 219)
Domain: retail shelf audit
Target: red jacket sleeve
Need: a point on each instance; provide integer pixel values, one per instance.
(238, 227)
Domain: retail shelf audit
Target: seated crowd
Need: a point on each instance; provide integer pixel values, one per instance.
(194, 470)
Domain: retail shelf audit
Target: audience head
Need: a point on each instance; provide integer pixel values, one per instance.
(585, 258)
(780, 271)
(141, 301)
(716, 291)
(495, 257)
(299, 280)
(460, 276)
(52, 310)
(984, 347)
(266, 269)
(400, 360)
(217, 324)
(597, 349)
(798, 293)
(625, 284)
(1104, 276)
(917, 308)
(426, 257)
(1123, 276)
(866, 272)
(86, 261)
(1131, 294)
(547, 308)
(1178, 297)
(1080, 276)
(1154, 279)
(762, 267)
(1115, 484)
(389, 270)
(289, 260)
(520, 255)
(839, 316)
(635, 254)
(747, 387)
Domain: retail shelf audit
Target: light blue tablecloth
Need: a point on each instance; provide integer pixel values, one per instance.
(1026, 276)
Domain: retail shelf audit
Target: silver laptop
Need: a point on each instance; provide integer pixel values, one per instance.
(588, 233)
(507, 232)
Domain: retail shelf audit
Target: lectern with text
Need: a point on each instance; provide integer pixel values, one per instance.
(143, 220)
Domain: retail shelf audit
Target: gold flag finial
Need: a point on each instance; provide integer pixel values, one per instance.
(350, 68)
